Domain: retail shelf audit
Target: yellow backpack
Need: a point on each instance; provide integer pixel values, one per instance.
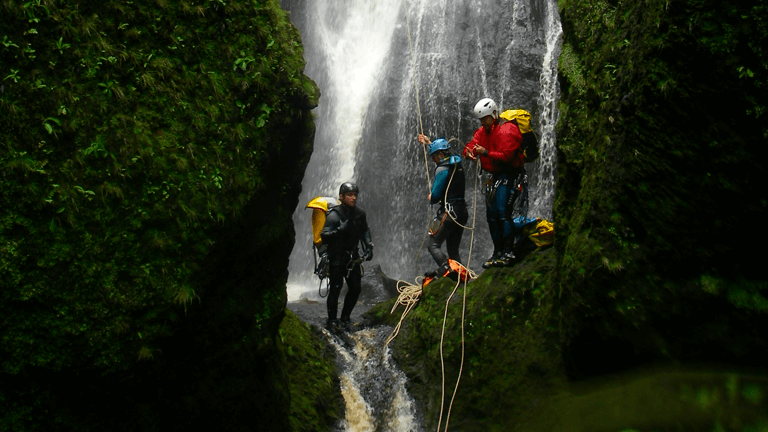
(320, 207)
(541, 233)
(522, 119)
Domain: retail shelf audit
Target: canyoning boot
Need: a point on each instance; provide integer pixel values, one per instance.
(332, 324)
(345, 323)
(490, 261)
(446, 271)
(506, 260)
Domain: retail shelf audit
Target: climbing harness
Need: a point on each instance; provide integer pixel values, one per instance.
(354, 262)
(517, 201)
(321, 270)
(437, 223)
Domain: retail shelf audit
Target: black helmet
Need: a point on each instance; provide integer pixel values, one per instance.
(348, 187)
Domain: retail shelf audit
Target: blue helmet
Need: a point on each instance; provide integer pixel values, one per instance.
(437, 145)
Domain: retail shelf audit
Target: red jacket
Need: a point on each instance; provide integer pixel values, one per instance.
(503, 145)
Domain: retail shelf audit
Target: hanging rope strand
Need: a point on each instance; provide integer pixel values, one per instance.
(409, 294)
(416, 88)
(463, 310)
(413, 64)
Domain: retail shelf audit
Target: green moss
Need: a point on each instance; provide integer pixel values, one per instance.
(138, 143)
(316, 401)
(659, 145)
(129, 134)
(508, 336)
(650, 145)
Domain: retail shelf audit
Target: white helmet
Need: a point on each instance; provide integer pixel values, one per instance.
(486, 107)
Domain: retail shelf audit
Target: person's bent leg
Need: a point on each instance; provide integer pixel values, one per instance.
(454, 237)
(436, 240)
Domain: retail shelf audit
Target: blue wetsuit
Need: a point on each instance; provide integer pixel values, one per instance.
(449, 176)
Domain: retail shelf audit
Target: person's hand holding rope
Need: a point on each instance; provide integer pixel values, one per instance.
(476, 149)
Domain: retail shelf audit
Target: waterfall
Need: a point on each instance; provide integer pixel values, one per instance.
(367, 120)
(545, 169)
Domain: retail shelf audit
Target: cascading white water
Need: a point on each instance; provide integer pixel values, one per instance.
(367, 119)
(545, 170)
(346, 47)
(373, 388)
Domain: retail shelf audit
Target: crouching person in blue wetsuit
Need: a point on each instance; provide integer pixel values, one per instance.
(345, 227)
(448, 192)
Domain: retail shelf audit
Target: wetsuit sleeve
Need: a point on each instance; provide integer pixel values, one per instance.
(472, 144)
(367, 240)
(365, 237)
(507, 143)
(438, 187)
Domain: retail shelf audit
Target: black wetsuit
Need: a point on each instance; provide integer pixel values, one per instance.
(448, 174)
(344, 228)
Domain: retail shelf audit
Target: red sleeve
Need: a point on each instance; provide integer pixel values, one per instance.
(472, 144)
(508, 142)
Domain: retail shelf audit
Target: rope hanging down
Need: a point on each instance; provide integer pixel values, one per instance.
(416, 87)
(409, 294)
(463, 312)
(409, 297)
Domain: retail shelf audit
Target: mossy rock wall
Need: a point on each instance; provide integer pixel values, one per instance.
(316, 401)
(151, 156)
(660, 142)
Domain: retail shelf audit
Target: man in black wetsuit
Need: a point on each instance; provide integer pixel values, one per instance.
(345, 226)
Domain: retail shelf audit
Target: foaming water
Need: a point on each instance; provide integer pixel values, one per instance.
(373, 388)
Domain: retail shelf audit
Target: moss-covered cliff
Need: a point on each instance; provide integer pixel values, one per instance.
(660, 144)
(659, 249)
(151, 154)
(316, 401)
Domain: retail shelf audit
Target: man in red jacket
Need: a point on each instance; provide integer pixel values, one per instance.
(499, 148)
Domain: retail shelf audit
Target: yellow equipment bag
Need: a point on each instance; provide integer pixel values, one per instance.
(541, 233)
(522, 119)
(320, 207)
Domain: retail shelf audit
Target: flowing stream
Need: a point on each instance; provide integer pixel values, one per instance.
(370, 63)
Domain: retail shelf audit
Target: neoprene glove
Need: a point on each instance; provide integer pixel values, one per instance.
(369, 254)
